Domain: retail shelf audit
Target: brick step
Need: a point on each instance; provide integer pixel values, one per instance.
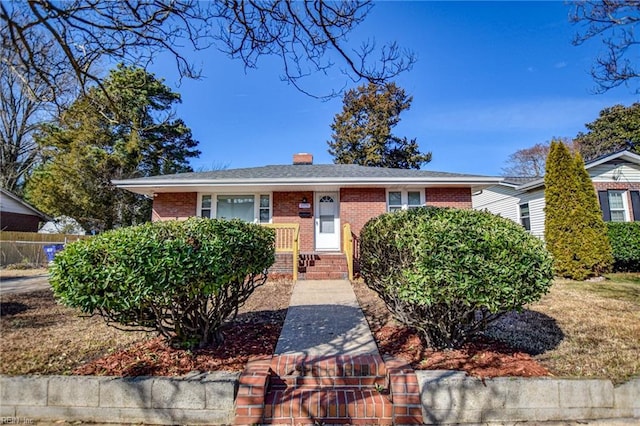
(305, 390)
(327, 406)
(332, 366)
(324, 268)
(323, 264)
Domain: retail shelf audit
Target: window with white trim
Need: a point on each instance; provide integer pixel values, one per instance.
(254, 208)
(525, 218)
(617, 205)
(402, 200)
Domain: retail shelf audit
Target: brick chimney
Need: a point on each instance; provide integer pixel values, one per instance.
(302, 158)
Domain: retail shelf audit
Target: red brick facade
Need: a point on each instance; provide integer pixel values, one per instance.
(174, 205)
(449, 197)
(286, 210)
(621, 186)
(357, 206)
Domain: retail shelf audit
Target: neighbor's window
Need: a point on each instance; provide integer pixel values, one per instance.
(255, 208)
(402, 200)
(525, 219)
(617, 206)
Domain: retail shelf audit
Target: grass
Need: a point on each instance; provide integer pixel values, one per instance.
(41, 337)
(582, 329)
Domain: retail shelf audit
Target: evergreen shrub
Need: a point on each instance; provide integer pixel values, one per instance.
(575, 233)
(625, 242)
(183, 279)
(448, 273)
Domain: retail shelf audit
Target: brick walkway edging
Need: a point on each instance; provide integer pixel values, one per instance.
(446, 397)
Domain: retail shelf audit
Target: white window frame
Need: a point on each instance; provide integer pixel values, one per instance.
(520, 216)
(404, 199)
(256, 203)
(625, 203)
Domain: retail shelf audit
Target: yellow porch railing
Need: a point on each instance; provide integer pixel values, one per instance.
(287, 241)
(347, 248)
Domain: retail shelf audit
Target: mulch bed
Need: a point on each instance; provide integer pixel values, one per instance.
(156, 358)
(481, 358)
(256, 333)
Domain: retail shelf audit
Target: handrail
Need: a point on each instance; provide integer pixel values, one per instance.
(287, 241)
(347, 248)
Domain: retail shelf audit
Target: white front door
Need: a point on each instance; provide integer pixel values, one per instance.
(327, 221)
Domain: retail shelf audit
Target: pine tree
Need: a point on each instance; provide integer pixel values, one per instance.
(362, 131)
(96, 141)
(574, 231)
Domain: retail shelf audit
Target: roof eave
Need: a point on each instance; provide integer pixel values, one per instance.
(296, 182)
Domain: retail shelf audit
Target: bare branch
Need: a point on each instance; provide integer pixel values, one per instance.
(84, 34)
(614, 23)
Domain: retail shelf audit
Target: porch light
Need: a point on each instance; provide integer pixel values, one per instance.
(304, 200)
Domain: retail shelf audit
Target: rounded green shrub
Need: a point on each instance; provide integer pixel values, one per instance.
(183, 279)
(625, 244)
(447, 273)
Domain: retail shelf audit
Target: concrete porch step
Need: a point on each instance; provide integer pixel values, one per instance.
(312, 275)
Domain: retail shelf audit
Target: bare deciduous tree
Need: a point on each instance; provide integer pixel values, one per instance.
(23, 108)
(305, 35)
(614, 22)
(527, 162)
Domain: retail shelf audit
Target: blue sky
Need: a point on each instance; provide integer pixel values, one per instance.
(491, 78)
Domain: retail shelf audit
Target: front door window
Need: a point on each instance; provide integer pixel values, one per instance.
(327, 221)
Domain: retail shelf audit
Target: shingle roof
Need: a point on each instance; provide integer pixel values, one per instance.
(300, 171)
(519, 180)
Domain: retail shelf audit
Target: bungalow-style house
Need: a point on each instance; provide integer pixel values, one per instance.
(322, 207)
(17, 215)
(616, 178)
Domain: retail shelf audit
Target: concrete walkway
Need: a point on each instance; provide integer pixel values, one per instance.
(10, 285)
(325, 319)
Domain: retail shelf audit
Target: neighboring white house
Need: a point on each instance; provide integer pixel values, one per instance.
(616, 178)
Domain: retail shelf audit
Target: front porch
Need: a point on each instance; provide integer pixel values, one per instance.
(313, 265)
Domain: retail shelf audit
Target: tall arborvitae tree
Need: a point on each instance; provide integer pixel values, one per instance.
(594, 252)
(362, 131)
(574, 231)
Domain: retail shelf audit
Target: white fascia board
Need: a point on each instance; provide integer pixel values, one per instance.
(625, 155)
(150, 186)
(530, 185)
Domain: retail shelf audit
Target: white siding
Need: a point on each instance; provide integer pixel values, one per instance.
(625, 172)
(498, 199)
(9, 205)
(505, 201)
(536, 210)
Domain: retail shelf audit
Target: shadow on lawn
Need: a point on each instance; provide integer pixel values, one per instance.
(12, 308)
(529, 331)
